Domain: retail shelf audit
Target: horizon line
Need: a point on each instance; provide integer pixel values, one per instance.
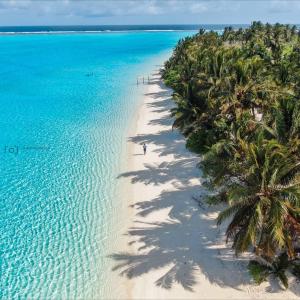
(171, 24)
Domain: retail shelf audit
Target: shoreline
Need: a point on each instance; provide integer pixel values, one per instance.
(173, 247)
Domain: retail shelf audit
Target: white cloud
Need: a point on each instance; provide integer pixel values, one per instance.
(283, 6)
(196, 8)
(279, 6)
(146, 11)
(107, 8)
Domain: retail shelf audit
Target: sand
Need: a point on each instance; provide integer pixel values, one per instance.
(175, 250)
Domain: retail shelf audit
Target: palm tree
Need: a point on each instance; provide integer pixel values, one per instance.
(263, 197)
(260, 271)
(237, 97)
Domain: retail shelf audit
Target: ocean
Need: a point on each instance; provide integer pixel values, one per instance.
(67, 102)
(110, 28)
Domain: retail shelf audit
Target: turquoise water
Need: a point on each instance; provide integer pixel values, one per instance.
(66, 102)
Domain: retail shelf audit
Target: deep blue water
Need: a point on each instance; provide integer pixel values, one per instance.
(66, 102)
(107, 28)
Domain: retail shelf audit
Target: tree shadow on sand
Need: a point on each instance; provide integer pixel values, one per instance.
(187, 243)
(157, 174)
(180, 245)
(168, 141)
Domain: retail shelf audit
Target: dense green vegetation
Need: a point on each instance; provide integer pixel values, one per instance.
(238, 104)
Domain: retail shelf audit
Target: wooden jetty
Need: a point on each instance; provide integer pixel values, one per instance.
(143, 80)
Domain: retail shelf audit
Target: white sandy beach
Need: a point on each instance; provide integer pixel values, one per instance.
(175, 250)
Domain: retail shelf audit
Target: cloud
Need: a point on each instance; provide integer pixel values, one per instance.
(146, 11)
(15, 4)
(88, 8)
(283, 6)
(198, 7)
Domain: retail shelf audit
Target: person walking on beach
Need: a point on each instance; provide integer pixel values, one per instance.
(144, 148)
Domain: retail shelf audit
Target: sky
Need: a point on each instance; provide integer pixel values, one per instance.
(109, 12)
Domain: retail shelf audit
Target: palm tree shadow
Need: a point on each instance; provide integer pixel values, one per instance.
(168, 141)
(180, 245)
(186, 242)
(158, 174)
(294, 286)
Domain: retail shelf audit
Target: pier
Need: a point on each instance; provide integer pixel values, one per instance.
(143, 80)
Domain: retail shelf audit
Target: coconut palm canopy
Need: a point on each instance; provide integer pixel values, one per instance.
(238, 104)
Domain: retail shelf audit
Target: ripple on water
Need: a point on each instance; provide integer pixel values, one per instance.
(59, 208)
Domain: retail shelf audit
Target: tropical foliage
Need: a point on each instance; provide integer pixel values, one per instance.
(238, 104)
